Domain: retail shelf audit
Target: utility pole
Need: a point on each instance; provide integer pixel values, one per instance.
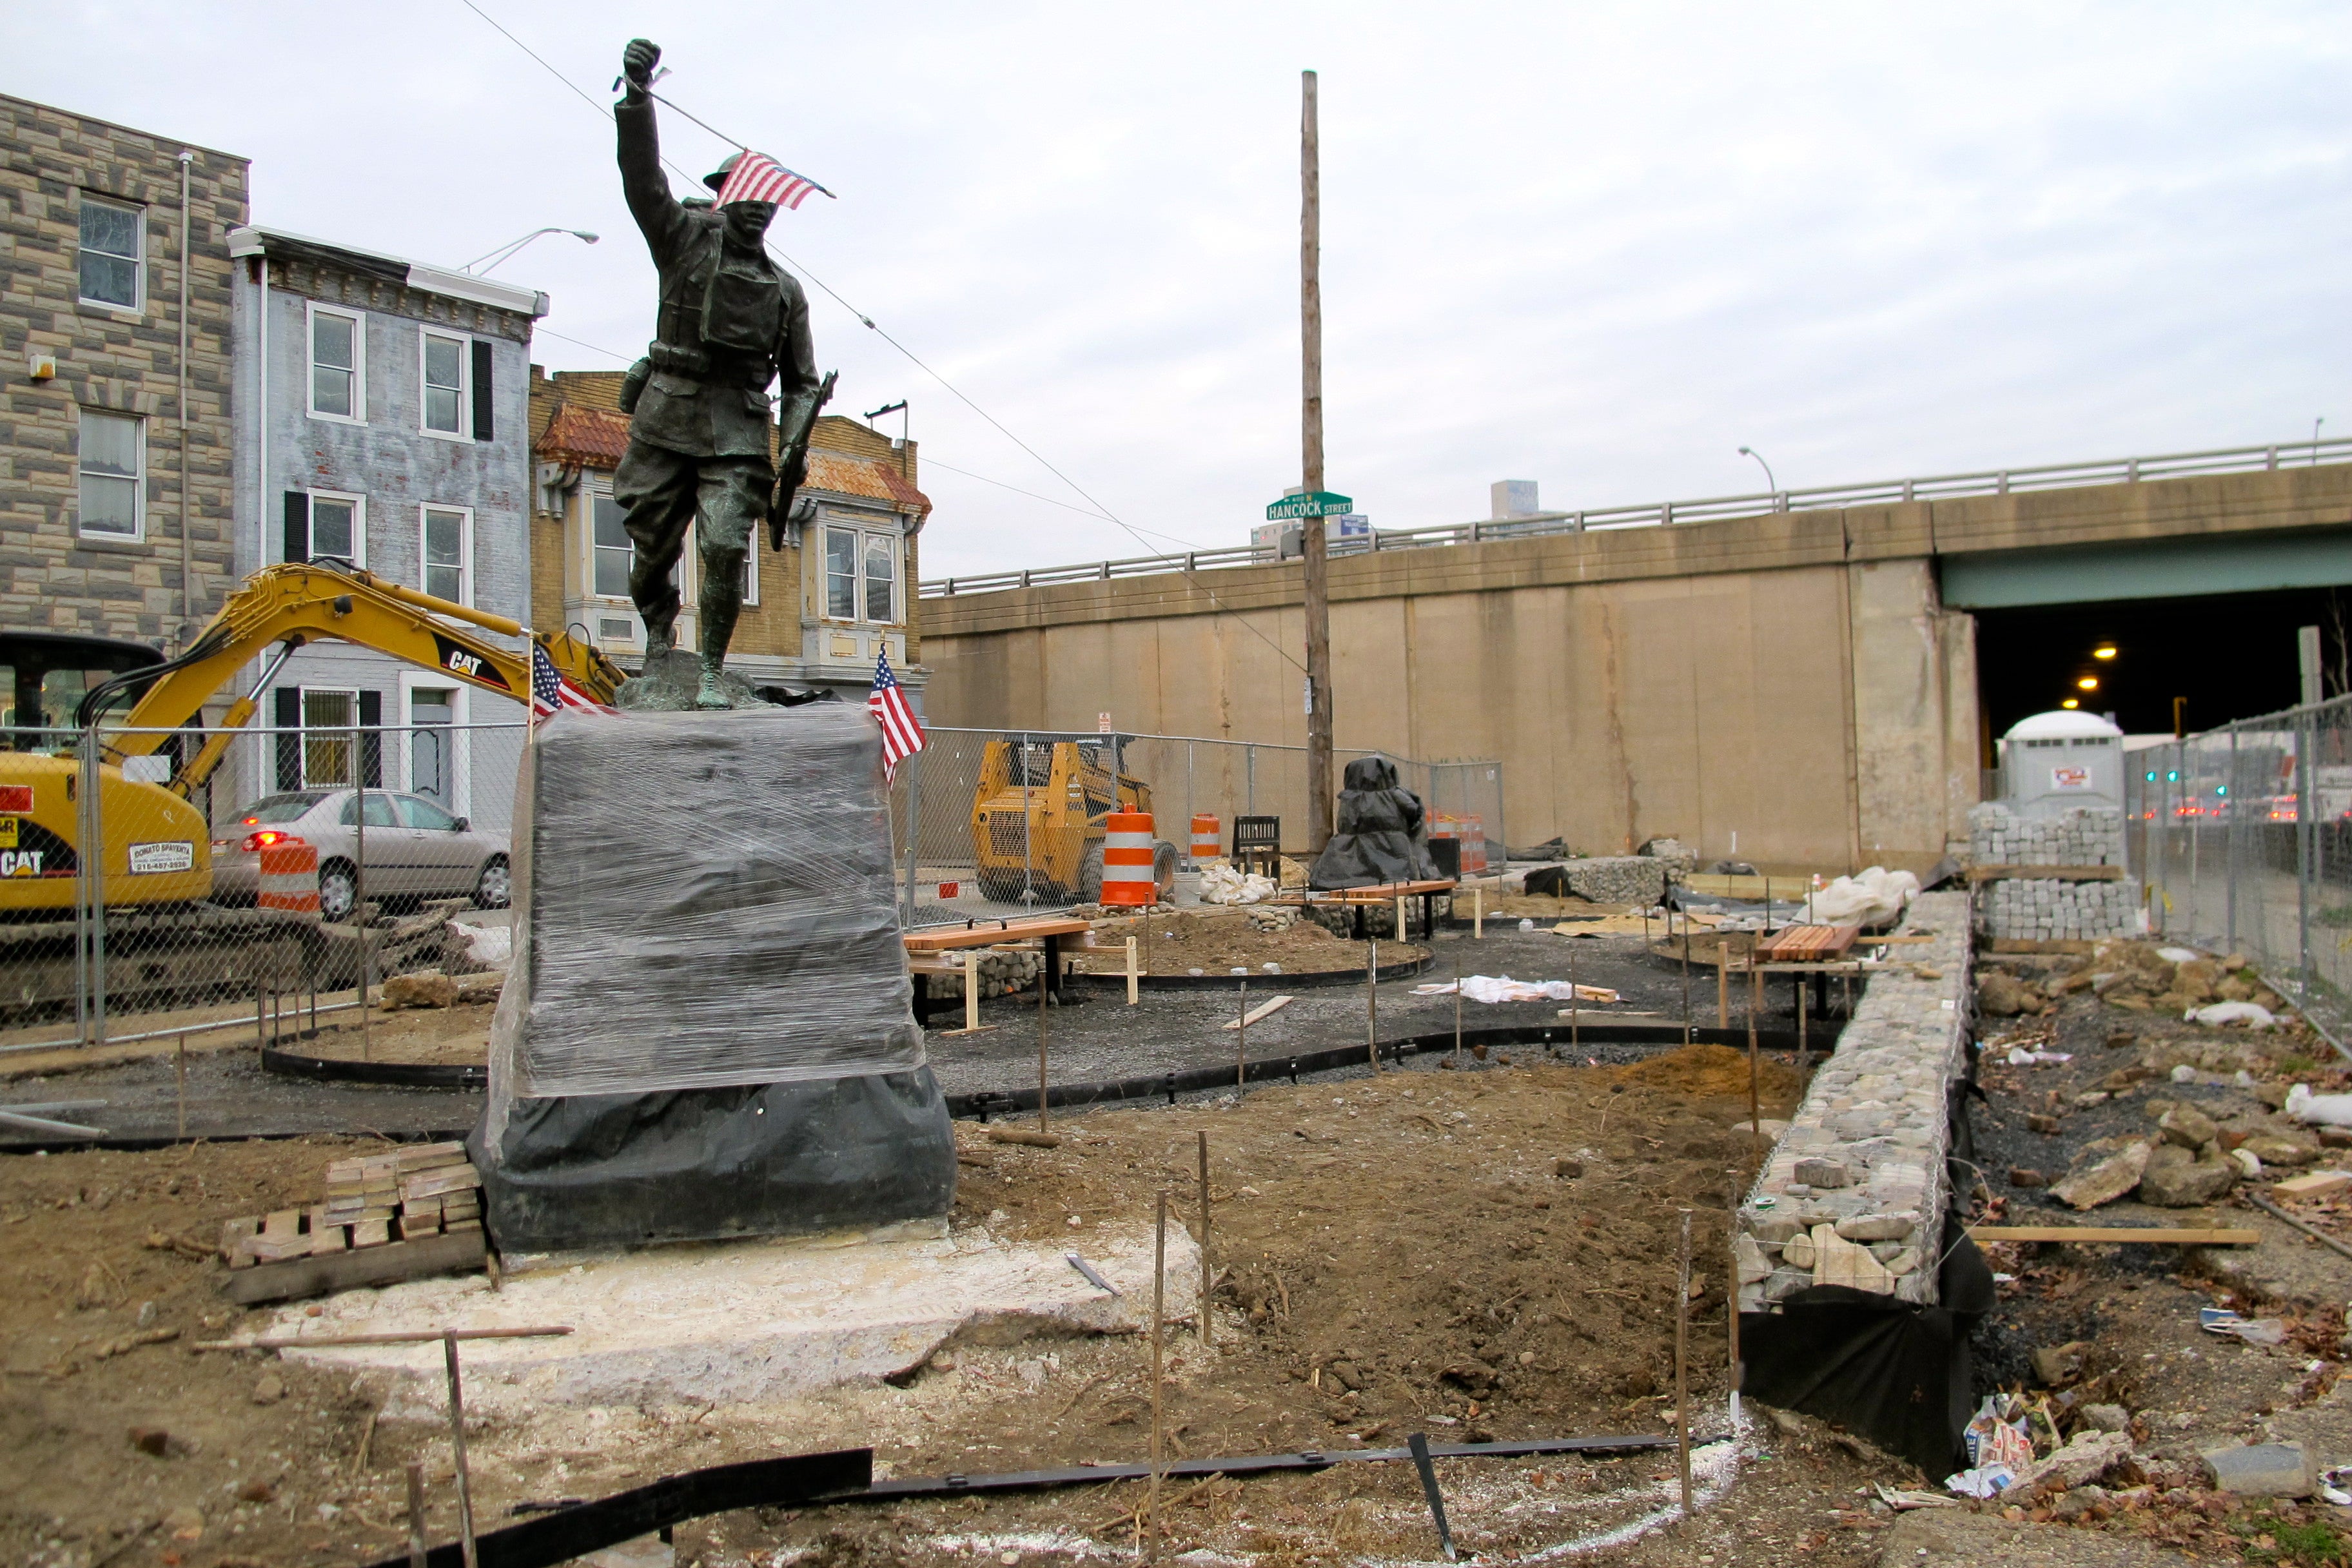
(1310, 344)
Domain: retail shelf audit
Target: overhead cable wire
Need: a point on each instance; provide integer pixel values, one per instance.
(1189, 573)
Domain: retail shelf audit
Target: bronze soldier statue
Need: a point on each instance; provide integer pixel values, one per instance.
(730, 323)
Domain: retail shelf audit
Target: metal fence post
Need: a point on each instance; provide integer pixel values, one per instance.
(1188, 807)
(1501, 862)
(1249, 774)
(2229, 804)
(93, 879)
(2307, 810)
(1021, 772)
(914, 827)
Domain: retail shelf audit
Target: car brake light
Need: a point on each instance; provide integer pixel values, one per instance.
(267, 837)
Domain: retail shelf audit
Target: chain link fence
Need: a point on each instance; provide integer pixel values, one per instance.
(310, 860)
(299, 865)
(2243, 838)
(990, 823)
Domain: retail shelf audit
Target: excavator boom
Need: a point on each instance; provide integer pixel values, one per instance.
(302, 602)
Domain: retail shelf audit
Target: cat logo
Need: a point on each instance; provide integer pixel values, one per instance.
(20, 862)
(465, 663)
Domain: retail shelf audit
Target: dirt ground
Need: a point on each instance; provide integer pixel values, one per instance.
(1397, 1254)
(1200, 942)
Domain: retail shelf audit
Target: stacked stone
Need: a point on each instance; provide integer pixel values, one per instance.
(1854, 1194)
(1619, 879)
(2079, 835)
(2047, 909)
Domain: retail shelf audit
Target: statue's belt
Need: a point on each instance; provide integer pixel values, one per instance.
(722, 370)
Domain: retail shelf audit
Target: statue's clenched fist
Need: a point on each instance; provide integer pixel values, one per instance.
(637, 62)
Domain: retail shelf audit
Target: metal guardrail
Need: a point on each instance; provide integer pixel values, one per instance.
(1933, 487)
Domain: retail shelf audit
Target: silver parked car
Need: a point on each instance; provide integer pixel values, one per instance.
(415, 849)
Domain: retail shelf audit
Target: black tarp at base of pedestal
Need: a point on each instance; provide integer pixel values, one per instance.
(594, 1171)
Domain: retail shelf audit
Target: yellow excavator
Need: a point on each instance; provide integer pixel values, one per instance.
(1039, 819)
(158, 846)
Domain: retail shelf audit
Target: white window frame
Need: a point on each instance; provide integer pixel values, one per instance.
(589, 497)
(861, 532)
(465, 551)
(465, 430)
(138, 534)
(359, 524)
(461, 751)
(311, 311)
(138, 259)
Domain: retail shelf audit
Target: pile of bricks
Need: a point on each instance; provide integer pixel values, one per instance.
(2079, 835)
(374, 1200)
(2045, 909)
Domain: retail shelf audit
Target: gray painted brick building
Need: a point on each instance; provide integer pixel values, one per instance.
(114, 487)
(389, 426)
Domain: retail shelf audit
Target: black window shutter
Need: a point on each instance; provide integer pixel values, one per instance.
(297, 526)
(371, 738)
(482, 422)
(289, 745)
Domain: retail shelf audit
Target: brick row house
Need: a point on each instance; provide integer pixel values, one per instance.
(816, 614)
(116, 429)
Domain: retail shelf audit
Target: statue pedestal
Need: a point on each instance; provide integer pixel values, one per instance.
(706, 1030)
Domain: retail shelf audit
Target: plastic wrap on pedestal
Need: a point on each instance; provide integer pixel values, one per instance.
(707, 1025)
(1379, 836)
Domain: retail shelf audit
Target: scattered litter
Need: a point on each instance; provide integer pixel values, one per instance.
(2336, 1484)
(489, 946)
(1997, 1445)
(1900, 1502)
(2178, 955)
(1981, 1480)
(1527, 925)
(1503, 989)
(2252, 1014)
(1087, 1268)
(2021, 1057)
(1875, 897)
(2183, 1073)
(2326, 1109)
(2253, 1330)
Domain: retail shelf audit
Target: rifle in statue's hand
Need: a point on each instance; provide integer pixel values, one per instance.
(791, 466)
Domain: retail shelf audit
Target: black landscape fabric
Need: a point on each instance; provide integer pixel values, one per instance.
(1885, 1370)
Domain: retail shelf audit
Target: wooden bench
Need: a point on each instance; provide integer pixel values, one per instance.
(1428, 890)
(934, 941)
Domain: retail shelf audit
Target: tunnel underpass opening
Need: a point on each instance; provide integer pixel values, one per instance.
(2229, 656)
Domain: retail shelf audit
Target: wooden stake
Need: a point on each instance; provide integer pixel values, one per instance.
(1457, 1012)
(1722, 980)
(1477, 915)
(1575, 1013)
(1130, 972)
(1755, 1005)
(1372, 1001)
(1158, 1319)
(970, 991)
(1804, 1044)
(1205, 1238)
(180, 1070)
(1400, 926)
(416, 1516)
(1686, 994)
(458, 1447)
(1045, 990)
(1681, 1364)
(1731, 1290)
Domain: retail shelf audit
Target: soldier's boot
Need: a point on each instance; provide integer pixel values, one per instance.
(713, 693)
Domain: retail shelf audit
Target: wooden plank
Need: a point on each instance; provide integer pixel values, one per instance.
(1258, 1012)
(2054, 945)
(319, 1276)
(1977, 874)
(2183, 1237)
(990, 935)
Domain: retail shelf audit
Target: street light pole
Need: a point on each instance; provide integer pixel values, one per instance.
(1312, 538)
(1769, 481)
(507, 252)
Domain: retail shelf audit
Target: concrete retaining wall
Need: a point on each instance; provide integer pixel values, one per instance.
(1854, 1194)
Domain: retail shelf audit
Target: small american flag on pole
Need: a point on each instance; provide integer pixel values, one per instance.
(551, 693)
(756, 177)
(902, 735)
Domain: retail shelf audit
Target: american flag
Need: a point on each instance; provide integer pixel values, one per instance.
(902, 734)
(551, 693)
(756, 177)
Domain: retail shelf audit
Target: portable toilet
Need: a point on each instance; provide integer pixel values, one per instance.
(2053, 761)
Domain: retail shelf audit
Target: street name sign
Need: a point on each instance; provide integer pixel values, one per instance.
(1316, 503)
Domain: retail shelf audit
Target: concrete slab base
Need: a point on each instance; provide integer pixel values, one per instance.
(750, 1322)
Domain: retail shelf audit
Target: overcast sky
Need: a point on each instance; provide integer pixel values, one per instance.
(1600, 247)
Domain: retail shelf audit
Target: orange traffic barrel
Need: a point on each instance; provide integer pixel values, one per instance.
(1127, 860)
(290, 877)
(1204, 837)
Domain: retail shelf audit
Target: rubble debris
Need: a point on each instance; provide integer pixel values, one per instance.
(2263, 1470)
(426, 988)
(2102, 1171)
(2056, 1366)
(2175, 1178)
(2004, 995)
